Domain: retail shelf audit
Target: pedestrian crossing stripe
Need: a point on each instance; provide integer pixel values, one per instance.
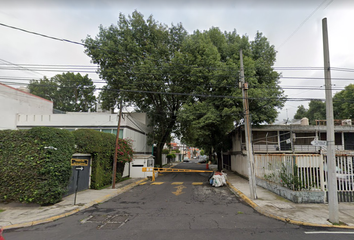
(173, 183)
(157, 183)
(197, 183)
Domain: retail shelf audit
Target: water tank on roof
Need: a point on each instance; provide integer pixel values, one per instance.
(346, 122)
(304, 121)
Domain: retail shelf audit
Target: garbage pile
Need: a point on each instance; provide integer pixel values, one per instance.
(218, 179)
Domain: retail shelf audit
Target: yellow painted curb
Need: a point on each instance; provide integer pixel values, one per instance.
(287, 220)
(87, 205)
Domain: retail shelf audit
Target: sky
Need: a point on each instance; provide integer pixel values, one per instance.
(294, 27)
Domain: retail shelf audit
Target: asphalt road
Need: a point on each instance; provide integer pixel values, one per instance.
(177, 206)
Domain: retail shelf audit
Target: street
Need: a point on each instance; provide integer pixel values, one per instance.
(175, 206)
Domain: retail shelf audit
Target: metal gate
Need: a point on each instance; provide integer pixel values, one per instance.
(84, 175)
(345, 177)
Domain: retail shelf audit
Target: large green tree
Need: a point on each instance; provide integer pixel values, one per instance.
(140, 61)
(185, 83)
(343, 103)
(343, 107)
(69, 92)
(301, 112)
(217, 107)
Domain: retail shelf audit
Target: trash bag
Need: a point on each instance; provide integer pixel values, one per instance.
(218, 179)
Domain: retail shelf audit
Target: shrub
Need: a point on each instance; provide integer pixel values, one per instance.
(165, 151)
(35, 164)
(101, 146)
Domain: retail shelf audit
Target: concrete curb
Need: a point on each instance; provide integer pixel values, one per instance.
(287, 220)
(87, 205)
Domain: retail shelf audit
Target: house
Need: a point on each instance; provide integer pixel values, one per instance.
(296, 137)
(133, 126)
(15, 101)
(23, 110)
(299, 150)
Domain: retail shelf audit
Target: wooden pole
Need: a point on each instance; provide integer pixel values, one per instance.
(248, 133)
(116, 148)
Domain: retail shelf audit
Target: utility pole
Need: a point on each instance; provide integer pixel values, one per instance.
(331, 165)
(116, 148)
(248, 133)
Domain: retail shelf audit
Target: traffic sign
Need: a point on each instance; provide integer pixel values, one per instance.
(319, 143)
(79, 162)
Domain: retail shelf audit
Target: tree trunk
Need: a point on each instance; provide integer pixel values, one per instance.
(219, 161)
(158, 159)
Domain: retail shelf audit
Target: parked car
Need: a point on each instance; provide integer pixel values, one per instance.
(203, 159)
(186, 159)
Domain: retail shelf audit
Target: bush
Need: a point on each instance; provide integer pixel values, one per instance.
(171, 155)
(35, 164)
(101, 146)
(165, 151)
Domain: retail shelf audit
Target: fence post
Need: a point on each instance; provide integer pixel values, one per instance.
(321, 172)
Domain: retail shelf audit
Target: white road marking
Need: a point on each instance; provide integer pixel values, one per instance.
(328, 232)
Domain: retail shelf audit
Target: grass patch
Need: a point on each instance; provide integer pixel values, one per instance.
(2, 210)
(338, 224)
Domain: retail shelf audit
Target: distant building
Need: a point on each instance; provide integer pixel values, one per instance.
(14, 101)
(22, 110)
(133, 126)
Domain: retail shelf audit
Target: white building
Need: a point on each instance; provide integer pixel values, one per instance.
(22, 110)
(14, 101)
(133, 126)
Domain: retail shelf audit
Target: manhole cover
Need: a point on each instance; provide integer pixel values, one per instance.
(98, 218)
(119, 218)
(107, 221)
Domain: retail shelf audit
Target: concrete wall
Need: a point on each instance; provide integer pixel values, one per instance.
(105, 122)
(14, 101)
(294, 196)
(239, 164)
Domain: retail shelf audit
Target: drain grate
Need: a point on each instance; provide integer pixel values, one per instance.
(109, 222)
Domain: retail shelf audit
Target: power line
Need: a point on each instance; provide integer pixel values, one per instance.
(302, 23)
(42, 35)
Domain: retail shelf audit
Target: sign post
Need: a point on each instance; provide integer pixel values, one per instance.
(79, 166)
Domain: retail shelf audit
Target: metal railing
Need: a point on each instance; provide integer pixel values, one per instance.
(294, 171)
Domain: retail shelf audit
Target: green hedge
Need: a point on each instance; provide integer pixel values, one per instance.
(101, 146)
(29, 170)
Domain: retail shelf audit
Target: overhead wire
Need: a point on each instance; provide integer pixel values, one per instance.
(42, 35)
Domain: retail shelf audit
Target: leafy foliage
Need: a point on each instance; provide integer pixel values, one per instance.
(162, 70)
(289, 177)
(207, 120)
(171, 156)
(101, 146)
(343, 103)
(68, 91)
(35, 164)
(140, 61)
(301, 112)
(31, 169)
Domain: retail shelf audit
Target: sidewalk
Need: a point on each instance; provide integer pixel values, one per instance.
(18, 215)
(274, 206)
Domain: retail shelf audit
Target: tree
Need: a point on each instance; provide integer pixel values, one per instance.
(207, 120)
(68, 91)
(343, 103)
(185, 83)
(140, 62)
(301, 112)
(316, 111)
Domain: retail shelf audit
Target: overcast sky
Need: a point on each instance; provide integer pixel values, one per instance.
(294, 27)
